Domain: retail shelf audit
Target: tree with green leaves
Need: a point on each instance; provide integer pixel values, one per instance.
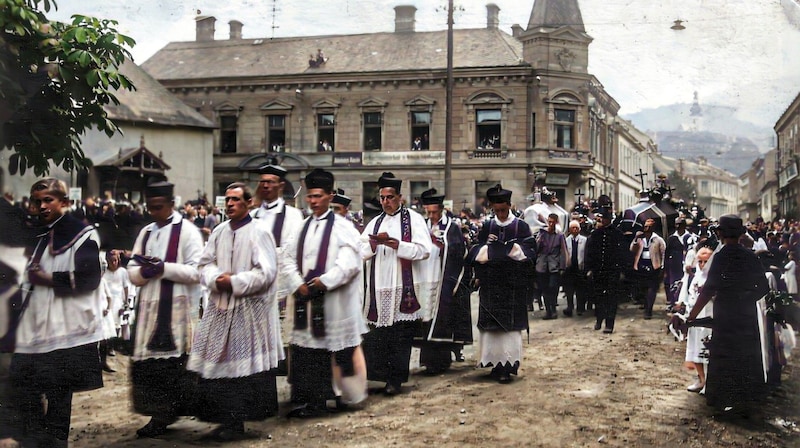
(683, 188)
(55, 78)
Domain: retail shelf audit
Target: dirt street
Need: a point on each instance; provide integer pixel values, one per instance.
(577, 387)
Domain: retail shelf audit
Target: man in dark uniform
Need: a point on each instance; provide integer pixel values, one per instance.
(604, 252)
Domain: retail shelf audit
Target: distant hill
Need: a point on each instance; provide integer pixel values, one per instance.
(716, 134)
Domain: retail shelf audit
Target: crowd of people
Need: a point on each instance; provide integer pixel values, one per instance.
(212, 309)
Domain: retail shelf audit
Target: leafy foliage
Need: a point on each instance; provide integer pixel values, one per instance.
(55, 79)
(683, 188)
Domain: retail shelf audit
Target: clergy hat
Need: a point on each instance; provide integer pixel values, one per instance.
(730, 226)
(275, 170)
(162, 189)
(497, 195)
(319, 178)
(387, 179)
(429, 197)
(340, 198)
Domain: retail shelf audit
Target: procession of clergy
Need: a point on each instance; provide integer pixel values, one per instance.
(349, 306)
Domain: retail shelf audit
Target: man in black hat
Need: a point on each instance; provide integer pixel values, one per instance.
(448, 326)
(341, 204)
(164, 267)
(394, 244)
(503, 260)
(605, 251)
(735, 382)
(325, 272)
(282, 220)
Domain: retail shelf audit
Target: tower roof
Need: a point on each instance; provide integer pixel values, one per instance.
(555, 14)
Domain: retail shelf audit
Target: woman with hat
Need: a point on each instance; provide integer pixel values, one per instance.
(736, 281)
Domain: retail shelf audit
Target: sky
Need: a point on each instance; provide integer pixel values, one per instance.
(738, 53)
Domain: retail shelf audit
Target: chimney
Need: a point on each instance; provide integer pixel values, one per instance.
(404, 18)
(492, 16)
(236, 29)
(516, 30)
(204, 31)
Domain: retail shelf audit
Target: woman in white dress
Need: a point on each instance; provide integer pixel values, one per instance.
(696, 352)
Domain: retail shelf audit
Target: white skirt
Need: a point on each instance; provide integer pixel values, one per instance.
(109, 326)
(499, 347)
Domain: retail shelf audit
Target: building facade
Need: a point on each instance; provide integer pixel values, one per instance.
(787, 129)
(717, 191)
(160, 138)
(635, 162)
(524, 105)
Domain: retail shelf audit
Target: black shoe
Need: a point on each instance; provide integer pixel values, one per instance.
(228, 432)
(307, 411)
(391, 390)
(648, 316)
(505, 378)
(579, 313)
(608, 330)
(107, 368)
(459, 356)
(568, 312)
(541, 307)
(550, 316)
(598, 325)
(151, 429)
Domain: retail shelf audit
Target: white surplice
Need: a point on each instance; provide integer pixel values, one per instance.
(344, 322)
(186, 292)
(388, 273)
(239, 334)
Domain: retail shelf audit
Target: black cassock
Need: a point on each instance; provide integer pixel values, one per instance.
(451, 326)
(505, 284)
(735, 370)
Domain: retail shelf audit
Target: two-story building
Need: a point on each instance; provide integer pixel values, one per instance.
(524, 105)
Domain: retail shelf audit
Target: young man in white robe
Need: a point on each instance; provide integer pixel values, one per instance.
(394, 243)
(238, 344)
(56, 351)
(282, 220)
(164, 267)
(325, 273)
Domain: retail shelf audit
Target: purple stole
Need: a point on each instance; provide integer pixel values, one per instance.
(162, 340)
(409, 303)
(277, 228)
(318, 300)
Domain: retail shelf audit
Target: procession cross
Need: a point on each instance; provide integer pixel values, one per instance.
(641, 177)
(579, 195)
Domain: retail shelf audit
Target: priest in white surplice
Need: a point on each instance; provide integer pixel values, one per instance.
(238, 343)
(393, 244)
(325, 273)
(164, 267)
(282, 220)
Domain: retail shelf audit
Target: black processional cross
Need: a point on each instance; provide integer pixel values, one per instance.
(579, 197)
(641, 177)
